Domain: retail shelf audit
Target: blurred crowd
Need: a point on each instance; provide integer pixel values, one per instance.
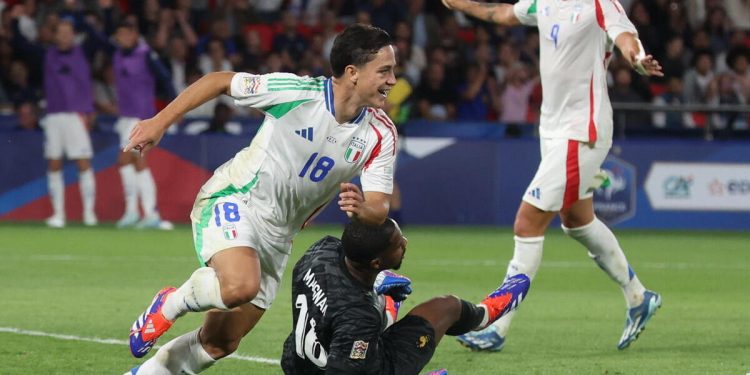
(449, 67)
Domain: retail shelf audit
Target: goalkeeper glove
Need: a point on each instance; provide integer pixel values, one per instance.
(393, 284)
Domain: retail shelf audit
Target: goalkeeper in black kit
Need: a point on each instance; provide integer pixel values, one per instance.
(345, 302)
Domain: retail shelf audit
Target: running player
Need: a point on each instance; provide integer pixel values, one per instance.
(317, 135)
(344, 298)
(577, 38)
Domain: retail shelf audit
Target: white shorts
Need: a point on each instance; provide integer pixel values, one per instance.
(123, 127)
(565, 174)
(225, 222)
(65, 134)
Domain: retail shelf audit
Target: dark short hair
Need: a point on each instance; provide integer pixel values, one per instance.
(357, 45)
(363, 243)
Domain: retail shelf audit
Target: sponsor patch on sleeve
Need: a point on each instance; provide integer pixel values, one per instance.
(249, 85)
(359, 350)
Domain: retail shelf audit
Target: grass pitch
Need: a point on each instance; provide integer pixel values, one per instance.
(68, 298)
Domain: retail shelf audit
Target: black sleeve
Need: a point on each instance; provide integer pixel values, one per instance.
(355, 342)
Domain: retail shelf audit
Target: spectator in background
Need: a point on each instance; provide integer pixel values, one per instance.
(411, 57)
(738, 60)
(699, 77)
(507, 58)
(476, 94)
(514, 99)
(672, 120)
(27, 114)
(674, 61)
(435, 96)
(289, 39)
(215, 59)
(19, 84)
(384, 13)
(174, 22)
(219, 30)
(177, 62)
(623, 92)
(105, 91)
(137, 71)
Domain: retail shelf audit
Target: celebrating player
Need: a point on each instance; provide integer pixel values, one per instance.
(344, 299)
(576, 43)
(317, 135)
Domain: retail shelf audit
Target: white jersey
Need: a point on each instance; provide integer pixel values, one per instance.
(576, 40)
(300, 155)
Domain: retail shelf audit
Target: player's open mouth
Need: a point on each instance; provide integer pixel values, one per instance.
(384, 92)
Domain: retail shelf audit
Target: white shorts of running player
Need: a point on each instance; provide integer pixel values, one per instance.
(565, 174)
(226, 222)
(65, 134)
(123, 127)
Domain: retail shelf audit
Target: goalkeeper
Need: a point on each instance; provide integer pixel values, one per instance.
(345, 302)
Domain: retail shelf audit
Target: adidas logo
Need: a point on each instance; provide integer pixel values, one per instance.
(305, 133)
(149, 327)
(535, 192)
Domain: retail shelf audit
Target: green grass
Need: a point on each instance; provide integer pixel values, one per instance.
(93, 282)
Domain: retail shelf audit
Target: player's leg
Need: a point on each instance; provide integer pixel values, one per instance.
(231, 279)
(147, 192)
(410, 343)
(56, 187)
(581, 223)
(53, 152)
(87, 186)
(199, 349)
(78, 147)
(543, 198)
(126, 164)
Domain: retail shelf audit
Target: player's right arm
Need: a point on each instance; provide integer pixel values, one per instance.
(148, 133)
(496, 13)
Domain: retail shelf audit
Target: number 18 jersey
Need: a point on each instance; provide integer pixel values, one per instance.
(296, 161)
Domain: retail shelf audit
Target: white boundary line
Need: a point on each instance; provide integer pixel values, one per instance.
(58, 336)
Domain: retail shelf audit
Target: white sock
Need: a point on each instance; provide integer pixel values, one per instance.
(130, 191)
(147, 192)
(606, 252)
(200, 292)
(181, 355)
(88, 189)
(527, 256)
(56, 187)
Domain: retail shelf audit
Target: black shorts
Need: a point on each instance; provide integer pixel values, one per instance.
(408, 345)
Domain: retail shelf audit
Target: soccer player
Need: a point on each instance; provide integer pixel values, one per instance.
(137, 71)
(344, 300)
(317, 135)
(577, 39)
(69, 95)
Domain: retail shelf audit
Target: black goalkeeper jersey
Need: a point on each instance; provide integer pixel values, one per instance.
(337, 321)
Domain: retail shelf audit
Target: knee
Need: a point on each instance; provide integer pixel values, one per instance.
(236, 293)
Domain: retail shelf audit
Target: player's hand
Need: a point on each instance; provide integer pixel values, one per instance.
(145, 135)
(647, 66)
(351, 199)
(392, 284)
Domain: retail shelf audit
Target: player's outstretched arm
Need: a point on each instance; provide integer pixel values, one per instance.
(370, 207)
(633, 51)
(497, 13)
(148, 133)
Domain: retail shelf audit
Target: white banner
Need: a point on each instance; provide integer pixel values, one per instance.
(699, 186)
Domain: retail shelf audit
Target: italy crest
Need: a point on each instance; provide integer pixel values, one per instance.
(355, 150)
